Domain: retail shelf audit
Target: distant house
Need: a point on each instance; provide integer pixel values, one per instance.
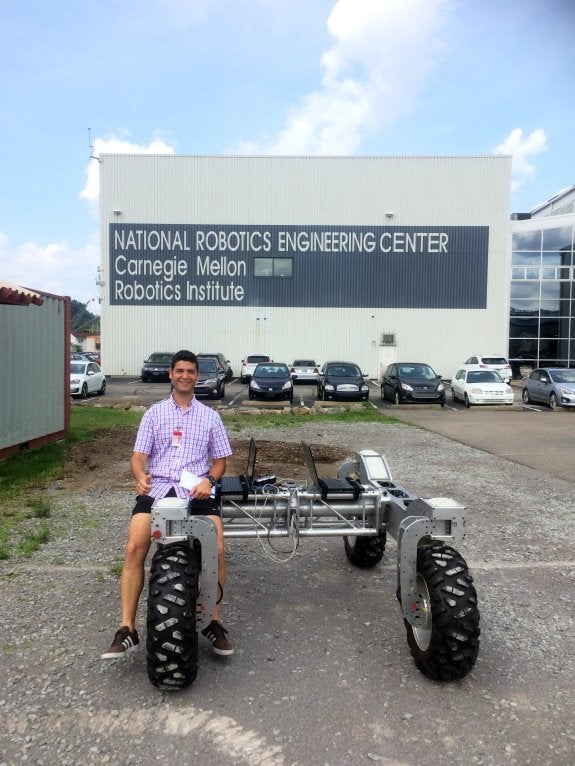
(85, 341)
(34, 349)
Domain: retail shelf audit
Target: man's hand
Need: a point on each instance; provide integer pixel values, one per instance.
(202, 490)
(144, 484)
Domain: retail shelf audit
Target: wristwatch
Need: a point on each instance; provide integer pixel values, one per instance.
(211, 479)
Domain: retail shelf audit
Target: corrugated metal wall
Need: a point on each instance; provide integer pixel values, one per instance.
(334, 191)
(34, 386)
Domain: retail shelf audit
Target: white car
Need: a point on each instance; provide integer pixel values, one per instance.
(305, 370)
(480, 387)
(250, 363)
(490, 362)
(86, 378)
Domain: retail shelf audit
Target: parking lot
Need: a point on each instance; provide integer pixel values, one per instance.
(531, 435)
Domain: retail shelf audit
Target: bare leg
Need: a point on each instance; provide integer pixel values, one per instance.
(132, 580)
(221, 560)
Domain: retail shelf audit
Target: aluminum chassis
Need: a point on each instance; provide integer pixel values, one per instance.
(296, 511)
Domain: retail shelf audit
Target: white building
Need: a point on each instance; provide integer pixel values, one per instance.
(369, 259)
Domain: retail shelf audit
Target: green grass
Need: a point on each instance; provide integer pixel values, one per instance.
(237, 422)
(23, 476)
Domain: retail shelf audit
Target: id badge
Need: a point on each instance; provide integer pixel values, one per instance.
(176, 438)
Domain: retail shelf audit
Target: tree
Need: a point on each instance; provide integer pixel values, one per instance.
(82, 319)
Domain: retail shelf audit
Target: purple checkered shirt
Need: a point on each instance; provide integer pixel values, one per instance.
(203, 437)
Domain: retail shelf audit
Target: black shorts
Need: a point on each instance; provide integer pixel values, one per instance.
(207, 507)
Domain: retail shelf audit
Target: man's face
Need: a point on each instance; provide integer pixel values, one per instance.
(184, 376)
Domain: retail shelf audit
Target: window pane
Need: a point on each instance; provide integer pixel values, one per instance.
(532, 273)
(526, 259)
(523, 308)
(548, 273)
(282, 267)
(550, 290)
(557, 308)
(556, 258)
(527, 240)
(549, 328)
(524, 328)
(556, 239)
(263, 267)
(522, 348)
(517, 273)
(548, 348)
(525, 290)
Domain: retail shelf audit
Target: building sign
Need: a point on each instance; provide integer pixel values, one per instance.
(298, 266)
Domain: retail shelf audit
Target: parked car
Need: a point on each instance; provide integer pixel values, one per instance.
(222, 361)
(490, 362)
(305, 370)
(156, 366)
(211, 378)
(250, 363)
(86, 378)
(80, 356)
(480, 387)
(342, 380)
(271, 381)
(93, 356)
(554, 386)
(412, 382)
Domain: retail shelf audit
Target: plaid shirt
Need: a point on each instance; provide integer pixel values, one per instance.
(203, 437)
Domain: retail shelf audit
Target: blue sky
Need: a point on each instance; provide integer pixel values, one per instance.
(352, 77)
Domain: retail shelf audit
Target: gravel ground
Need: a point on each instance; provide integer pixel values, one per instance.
(322, 672)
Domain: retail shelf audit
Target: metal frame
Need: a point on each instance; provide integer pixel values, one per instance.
(295, 511)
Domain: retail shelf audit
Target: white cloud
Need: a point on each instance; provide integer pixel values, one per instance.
(115, 145)
(382, 53)
(55, 268)
(522, 150)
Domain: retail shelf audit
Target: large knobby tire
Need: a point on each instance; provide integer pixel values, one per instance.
(172, 639)
(365, 552)
(445, 643)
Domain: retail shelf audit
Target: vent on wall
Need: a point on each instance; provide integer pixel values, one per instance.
(387, 339)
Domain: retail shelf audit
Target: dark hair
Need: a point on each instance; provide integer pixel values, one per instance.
(184, 356)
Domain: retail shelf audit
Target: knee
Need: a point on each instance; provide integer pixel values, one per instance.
(136, 551)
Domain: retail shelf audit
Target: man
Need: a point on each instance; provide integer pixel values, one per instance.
(175, 434)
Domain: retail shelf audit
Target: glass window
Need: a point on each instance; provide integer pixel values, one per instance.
(557, 239)
(525, 290)
(548, 348)
(526, 259)
(527, 240)
(550, 290)
(557, 308)
(523, 308)
(263, 267)
(523, 348)
(272, 267)
(556, 258)
(549, 328)
(282, 267)
(524, 328)
(532, 273)
(517, 273)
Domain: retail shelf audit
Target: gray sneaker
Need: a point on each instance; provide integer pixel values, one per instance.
(216, 633)
(125, 641)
